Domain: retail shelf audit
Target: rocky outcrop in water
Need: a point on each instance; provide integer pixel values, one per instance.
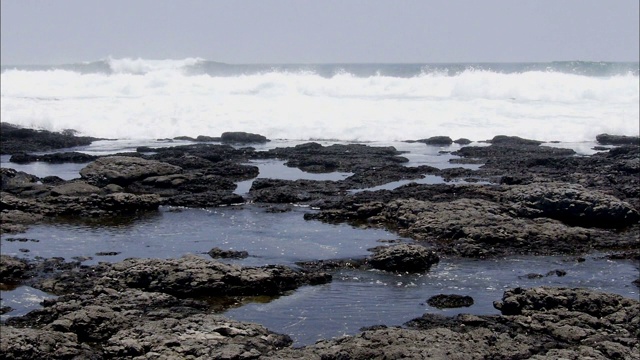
(14, 139)
(403, 258)
(447, 301)
(606, 139)
(124, 170)
(187, 276)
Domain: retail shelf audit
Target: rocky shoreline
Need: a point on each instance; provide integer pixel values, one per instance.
(526, 198)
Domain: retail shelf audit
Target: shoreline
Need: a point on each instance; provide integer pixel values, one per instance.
(541, 200)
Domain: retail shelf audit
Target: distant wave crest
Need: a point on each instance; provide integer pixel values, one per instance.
(199, 66)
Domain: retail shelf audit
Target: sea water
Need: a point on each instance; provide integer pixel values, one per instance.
(137, 102)
(145, 99)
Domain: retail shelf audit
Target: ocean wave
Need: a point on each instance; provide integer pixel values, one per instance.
(199, 66)
(134, 98)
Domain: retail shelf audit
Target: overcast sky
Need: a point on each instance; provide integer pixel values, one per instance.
(323, 31)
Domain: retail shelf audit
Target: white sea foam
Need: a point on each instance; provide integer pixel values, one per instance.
(143, 99)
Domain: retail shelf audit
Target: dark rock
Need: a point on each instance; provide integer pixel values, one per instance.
(519, 300)
(404, 258)
(21, 343)
(436, 140)
(12, 269)
(204, 138)
(5, 309)
(376, 176)
(571, 204)
(189, 276)
(240, 137)
(123, 170)
(606, 139)
(56, 158)
(570, 331)
(278, 191)
(190, 155)
(443, 301)
(107, 253)
(205, 199)
(313, 157)
(74, 188)
(227, 254)
(512, 140)
(15, 221)
(462, 141)
(184, 138)
(16, 181)
(532, 276)
(14, 139)
(333, 264)
(52, 180)
(557, 272)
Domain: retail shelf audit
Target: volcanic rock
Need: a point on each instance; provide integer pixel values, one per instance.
(450, 301)
(606, 139)
(121, 170)
(404, 258)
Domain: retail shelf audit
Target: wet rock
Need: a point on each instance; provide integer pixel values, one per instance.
(382, 175)
(227, 254)
(100, 205)
(240, 137)
(606, 139)
(571, 204)
(520, 301)
(55, 158)
(74, 188)
(315, 158)
(444, 301)
(333, 264)
(205, 199)
(211, 152)
(189, 276)
(122, 170)
(204, 138)
(12, 270)
(17, 181)
(16, 221)
(279, 191)
(20, 343)
(403, 258)
(437, 140)
(484, 224)
(512, 140)
(462, 141)
(52, 180)
(107, 253)
(573, 330)
(201, 337)
(14, 139)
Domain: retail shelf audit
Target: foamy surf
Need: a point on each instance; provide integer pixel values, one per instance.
(147, 99)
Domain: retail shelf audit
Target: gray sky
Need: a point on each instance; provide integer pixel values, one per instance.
(323, 31)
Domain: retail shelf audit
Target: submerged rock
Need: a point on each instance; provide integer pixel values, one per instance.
(227, 254)
(450, 301)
